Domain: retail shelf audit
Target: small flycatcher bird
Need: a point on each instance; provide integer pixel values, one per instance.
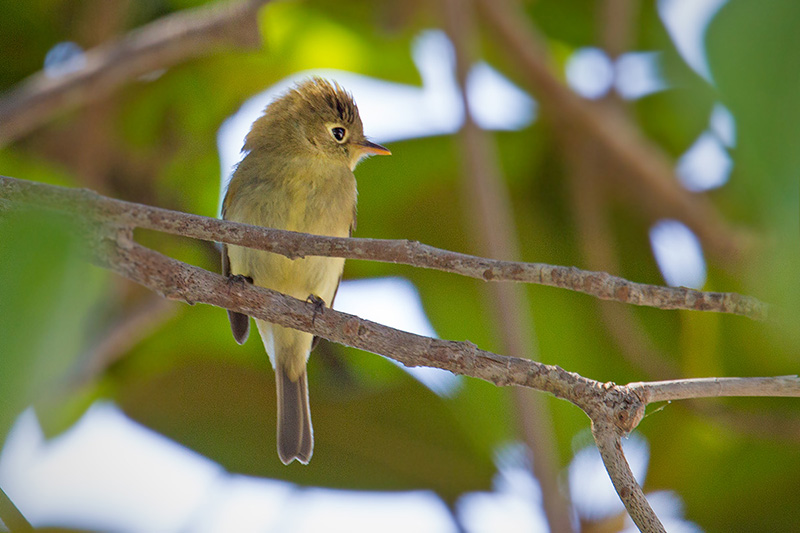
(297, 175)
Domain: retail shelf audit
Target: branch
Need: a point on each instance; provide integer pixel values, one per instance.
(683, 389)
(291, 244)
(161, 44)
(632, 340)
(614, 410)
(616, 24)
(610, 448)
(179, 281)
(657, 191)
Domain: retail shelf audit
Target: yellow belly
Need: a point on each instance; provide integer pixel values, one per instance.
(296, 277)
(315, 203)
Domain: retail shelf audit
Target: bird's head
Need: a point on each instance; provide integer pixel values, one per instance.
(317, 118)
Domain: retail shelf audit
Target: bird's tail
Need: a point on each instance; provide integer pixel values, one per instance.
(288, 350)
(295, 435)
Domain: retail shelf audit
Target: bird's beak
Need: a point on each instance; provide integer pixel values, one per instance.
(371, 148)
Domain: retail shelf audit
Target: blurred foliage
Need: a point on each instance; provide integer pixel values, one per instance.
(155, 142)
(47, 295)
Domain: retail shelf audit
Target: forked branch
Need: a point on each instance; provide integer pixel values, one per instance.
(614, 410)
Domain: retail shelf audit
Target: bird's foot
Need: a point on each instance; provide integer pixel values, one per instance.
(240, 278)
(319, 305)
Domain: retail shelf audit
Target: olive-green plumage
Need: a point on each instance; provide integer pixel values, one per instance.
(297, 175)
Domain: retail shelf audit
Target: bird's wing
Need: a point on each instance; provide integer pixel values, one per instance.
(240, 323)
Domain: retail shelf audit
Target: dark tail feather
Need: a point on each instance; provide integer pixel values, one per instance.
(240, 325)
(295, 435)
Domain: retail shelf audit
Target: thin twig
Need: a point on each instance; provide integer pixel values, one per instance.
(598, 284)
(159, 45)
(610, 448)
(682, 389)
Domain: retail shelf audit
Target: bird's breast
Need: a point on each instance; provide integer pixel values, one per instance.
(310, 198)
(307, 196)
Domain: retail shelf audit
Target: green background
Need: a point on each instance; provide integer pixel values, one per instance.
(735, 463)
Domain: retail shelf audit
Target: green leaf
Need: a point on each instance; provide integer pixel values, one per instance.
(46, 292)
(753, 54)
(400, 437)
(760, 84)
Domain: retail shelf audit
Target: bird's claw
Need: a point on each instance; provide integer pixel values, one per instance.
(319, 305)
(240, 278)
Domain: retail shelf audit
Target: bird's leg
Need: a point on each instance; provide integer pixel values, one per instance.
(240, 323)
(319, 305)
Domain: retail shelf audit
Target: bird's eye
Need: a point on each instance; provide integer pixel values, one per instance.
(338, 133)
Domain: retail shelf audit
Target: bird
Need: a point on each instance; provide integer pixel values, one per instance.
(297, 175)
